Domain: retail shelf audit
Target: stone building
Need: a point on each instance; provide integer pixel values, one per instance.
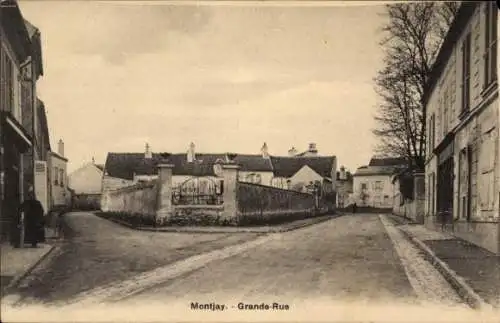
(462, 167)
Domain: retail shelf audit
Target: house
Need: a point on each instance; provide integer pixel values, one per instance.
(85, 184)
(461, 98)
(344, 187)
(20, 68)
(372, 184)
(42, 182)
(59, 192)
(288, 172)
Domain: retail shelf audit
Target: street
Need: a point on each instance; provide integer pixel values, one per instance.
(359, 258)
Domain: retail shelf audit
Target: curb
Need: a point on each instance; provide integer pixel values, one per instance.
(238, 230)
(458, 283)
(15, 281)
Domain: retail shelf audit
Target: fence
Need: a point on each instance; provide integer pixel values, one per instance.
(260, 200)
(198, 191)
(136, 199)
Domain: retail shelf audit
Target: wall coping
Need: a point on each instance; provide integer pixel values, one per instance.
(230, 166)
(199, 206)
(165, 166)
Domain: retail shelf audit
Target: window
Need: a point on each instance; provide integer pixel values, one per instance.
(379, 185)
(56, 175)
(6, 81)
(258, 179)
(490, 55)
(363, 186)
(445, 112)
(466, 49)
(432, 132)
(61, 177)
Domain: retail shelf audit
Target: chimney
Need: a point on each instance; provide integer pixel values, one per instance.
(147, 153)
(292, 152)
(60, 148)
(191, 156)
(342, 175)
(93, 160)
(312, 149)
(265, 151)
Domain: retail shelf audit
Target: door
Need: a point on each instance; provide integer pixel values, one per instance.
(12, 186)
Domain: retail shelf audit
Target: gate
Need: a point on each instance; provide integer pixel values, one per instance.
(198, 191)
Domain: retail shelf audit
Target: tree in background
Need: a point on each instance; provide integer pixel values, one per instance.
(414, 33)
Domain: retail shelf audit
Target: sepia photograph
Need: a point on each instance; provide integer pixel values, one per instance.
(249, 161)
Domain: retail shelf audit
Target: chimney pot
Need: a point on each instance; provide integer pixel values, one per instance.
(191, 154)
(60, 148)
(265, 151)
(148, 154)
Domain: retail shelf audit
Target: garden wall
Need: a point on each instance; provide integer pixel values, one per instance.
(136, 199)
(255, 200)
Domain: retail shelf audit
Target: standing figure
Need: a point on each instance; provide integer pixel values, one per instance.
(34, 226)
(354, 207)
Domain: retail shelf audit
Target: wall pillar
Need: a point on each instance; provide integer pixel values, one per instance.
(230, 193)
(419, 194)
(164, 207)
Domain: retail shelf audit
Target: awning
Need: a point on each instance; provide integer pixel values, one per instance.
(16, 133)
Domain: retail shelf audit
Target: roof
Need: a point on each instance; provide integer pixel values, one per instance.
(34, 35)
(391, 161)
(377, 170)
(288, 166)
(126, 165)
(13, 23)
(99, 166)
(458, 24)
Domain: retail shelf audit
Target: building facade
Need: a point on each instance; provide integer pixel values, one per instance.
(373, 183)
(462, 167)
(59, 191)
(20, 67)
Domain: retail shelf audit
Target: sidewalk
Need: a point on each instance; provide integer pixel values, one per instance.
(16, 263)
(473, 271)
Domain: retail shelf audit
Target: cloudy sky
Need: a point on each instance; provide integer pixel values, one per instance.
(227, 77)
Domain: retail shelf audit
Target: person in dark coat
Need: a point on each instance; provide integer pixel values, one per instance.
(354, 207)
(34, 226)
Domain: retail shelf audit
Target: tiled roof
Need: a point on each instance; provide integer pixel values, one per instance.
(124, 165)
(288, 166)
(43, 122)
(388, 161)
(377, 170)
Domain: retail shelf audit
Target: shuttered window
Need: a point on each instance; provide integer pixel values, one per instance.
(490, 55)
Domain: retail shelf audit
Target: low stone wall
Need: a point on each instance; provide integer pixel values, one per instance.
(136, 199)
(265, 201)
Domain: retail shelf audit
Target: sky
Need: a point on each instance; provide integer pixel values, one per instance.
(227, 77)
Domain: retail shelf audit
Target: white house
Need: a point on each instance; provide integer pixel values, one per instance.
(372, 184)
(462, 167)
(85, 184)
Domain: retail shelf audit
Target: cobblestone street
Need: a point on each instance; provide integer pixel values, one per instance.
(99, 252)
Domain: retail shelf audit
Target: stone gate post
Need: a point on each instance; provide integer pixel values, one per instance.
(230, 194)
(164, 207)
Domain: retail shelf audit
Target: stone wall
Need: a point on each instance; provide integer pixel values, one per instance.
(136, 199)
(260, 200)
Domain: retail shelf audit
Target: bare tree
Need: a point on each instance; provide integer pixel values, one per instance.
(414, 34)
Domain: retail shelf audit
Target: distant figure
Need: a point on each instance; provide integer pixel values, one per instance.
(34, 226)
(354, 207)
